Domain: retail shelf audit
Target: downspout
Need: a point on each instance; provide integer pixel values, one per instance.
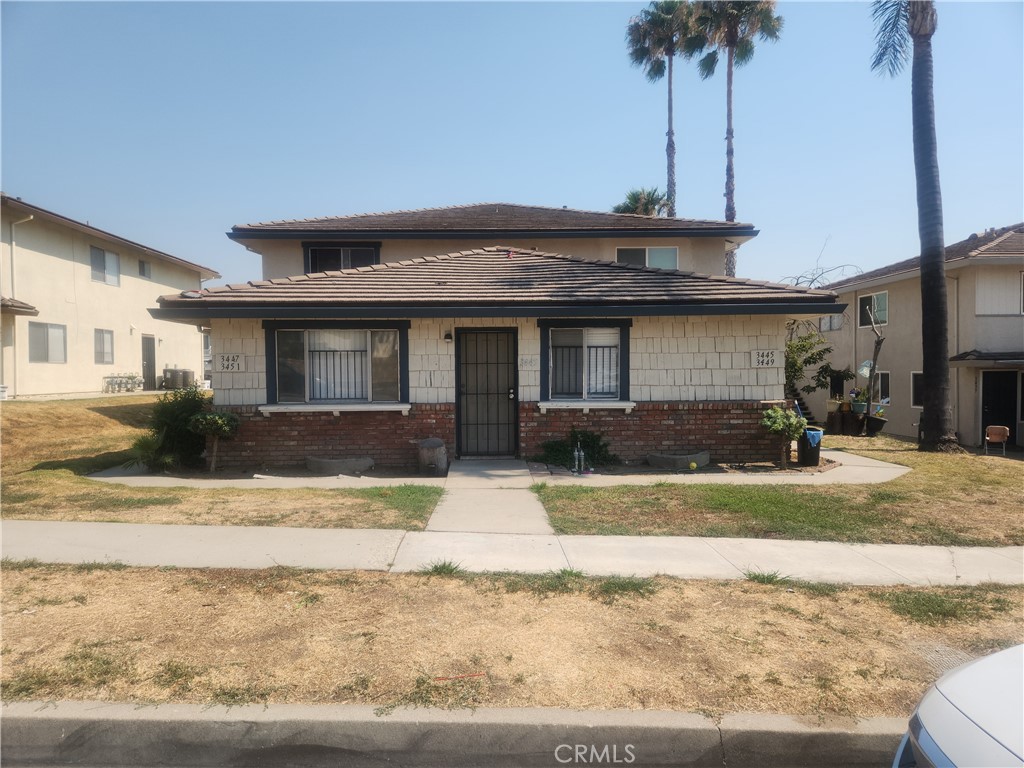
(14, 344)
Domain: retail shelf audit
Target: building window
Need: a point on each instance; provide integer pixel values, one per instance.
(106, 266)
(330, 257)
(103, 343)
(837, 385)
(881, 393)
(873, 303)
(661, 257)
(47, 343)
(916, 389)
(584, 362)
(830, 323)
(145, 269)
(339, 365)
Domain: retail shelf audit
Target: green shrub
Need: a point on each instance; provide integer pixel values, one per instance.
(559, 452)
(170, 443)
(786, 424)
(215, 424)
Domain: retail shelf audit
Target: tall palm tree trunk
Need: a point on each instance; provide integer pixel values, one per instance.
(936, 418)
(730, 170)
(670, 149)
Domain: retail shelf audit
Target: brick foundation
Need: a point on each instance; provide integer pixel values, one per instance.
(730, 431)
(286, 439)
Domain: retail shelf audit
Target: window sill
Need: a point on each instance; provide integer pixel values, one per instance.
(586, 405)
(336, 408)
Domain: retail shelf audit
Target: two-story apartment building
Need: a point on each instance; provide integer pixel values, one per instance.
(985, 287)
(372, 331)
(75, 305)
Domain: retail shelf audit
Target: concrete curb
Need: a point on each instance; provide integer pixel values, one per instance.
(98, 733)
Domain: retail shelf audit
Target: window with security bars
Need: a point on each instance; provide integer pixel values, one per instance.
(584, 363)
(337, 366)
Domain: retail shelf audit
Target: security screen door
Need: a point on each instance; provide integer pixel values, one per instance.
(487, 403)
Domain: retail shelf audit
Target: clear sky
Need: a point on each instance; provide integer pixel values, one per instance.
(167, 123)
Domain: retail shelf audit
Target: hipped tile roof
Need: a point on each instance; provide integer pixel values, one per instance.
(489, 218)
(497, 276)
(16, 307)
(1007, 241)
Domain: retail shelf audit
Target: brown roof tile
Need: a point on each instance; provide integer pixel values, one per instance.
(488, 218)
(498, 276)
(996, 242)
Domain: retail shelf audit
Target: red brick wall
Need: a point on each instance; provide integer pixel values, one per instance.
(283, 439)
(730, 431)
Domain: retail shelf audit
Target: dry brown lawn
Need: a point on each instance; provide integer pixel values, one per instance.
(230, 636)
(48, 446)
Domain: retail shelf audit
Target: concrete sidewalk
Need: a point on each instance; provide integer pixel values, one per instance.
(196, 546)
(464, 474)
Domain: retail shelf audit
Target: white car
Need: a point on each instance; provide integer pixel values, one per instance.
(973, 716)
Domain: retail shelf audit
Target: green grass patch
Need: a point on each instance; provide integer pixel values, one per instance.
(612, 588)
(104, 500)
(562, 582)
(177, 675)
(238, 695)
(445, 568)
(415, 503)
(766, 577)
(945, 605)
(439, 693)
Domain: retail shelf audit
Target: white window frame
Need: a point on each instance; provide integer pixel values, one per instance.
(877, 391)
(879, 321)
(647, 253)
(111, 272)
(102, 348)
(911, 398)
(48, 352)
(367, 384)
(586, 375)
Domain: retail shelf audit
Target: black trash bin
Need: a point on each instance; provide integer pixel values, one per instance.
(808, 447)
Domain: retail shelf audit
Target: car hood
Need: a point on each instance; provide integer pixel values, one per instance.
(990, 691)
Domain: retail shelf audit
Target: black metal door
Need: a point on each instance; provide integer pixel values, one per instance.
(148, 362)
(999, 401)
(487, 407)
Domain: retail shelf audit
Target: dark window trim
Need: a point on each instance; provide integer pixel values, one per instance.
(913, 404)
(104, 278)
(546, 325)
(307, 244)
(271, 327)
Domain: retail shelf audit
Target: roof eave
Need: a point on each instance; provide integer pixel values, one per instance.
(243, 233)
(205, 311)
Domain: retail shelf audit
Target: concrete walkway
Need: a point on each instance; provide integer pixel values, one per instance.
(489, 520)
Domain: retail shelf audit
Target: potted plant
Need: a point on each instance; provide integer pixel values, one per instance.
(859, 400)
(876, 422)
(833, 404)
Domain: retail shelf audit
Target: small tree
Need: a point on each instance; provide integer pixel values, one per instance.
(215, 424)
(807, 351)
(787, 425)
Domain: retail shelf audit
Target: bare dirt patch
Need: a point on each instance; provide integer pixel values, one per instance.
(282, 635)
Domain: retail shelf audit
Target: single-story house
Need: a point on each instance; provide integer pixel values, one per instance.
(497, 349)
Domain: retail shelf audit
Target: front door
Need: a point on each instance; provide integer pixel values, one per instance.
(149, 362)
(999, 401)
(485, 378)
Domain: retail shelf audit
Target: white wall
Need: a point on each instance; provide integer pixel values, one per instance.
(49, 267)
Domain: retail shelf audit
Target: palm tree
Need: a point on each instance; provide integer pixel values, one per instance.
(904, 29)
(655, 38)
(731, 26)
(643, 202)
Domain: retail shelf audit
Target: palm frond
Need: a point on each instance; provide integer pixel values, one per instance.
(706, 65)
(892, 37)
